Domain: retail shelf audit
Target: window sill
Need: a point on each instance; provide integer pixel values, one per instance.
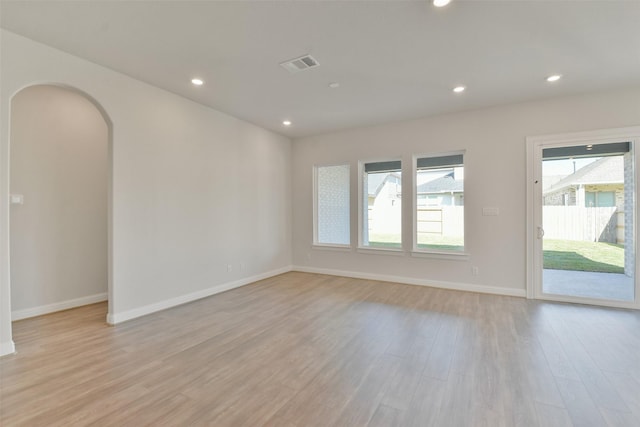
(452, 256)
(340, 248)
(381, 251)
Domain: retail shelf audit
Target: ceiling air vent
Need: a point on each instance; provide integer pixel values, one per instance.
(300, 64)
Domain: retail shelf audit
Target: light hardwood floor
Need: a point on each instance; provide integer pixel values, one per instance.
(312, 350)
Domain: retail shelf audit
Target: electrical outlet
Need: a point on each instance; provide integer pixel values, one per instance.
(17, 199)
(243, 266)
(475, 270)
(491, 211)
(229, 268)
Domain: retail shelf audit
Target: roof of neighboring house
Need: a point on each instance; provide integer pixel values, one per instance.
(551, 180)
(377, 181)
(607, 170)
(445, 184)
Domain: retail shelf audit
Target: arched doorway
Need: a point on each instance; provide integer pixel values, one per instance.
(60, 169)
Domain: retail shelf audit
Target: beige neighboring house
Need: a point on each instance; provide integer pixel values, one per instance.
(448, 190)
(589, 204)
(599, 184)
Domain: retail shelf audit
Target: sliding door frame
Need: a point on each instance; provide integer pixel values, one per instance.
(534, 264)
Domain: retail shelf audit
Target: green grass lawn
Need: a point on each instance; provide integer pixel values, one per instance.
(435, 242)
(440, 243)
(380, 240)
(583, 256)
(558, 254)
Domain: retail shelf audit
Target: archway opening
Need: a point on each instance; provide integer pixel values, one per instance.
(60, 169)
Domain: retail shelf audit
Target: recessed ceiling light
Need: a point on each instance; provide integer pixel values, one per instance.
(459, 89)
(287, 122)
(334, 85)
(197, 82)
(441, 3)
(554, 78)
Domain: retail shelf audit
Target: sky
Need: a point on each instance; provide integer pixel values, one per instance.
(564, 166)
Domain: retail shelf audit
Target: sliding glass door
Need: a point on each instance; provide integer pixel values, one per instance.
(582, 204)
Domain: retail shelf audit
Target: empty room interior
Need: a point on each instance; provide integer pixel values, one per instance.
(319, 213)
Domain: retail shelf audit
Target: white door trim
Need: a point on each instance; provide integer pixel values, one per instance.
(534, 146)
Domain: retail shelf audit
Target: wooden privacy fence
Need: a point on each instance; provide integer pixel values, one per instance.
(444, 221)
(593, 224)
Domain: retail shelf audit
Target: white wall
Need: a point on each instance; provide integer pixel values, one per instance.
(494, 144)
(193, 189)
(59, 159)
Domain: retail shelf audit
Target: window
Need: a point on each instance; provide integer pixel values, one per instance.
(600, 199)
(440, 203)
(381, 225)
(332, 205)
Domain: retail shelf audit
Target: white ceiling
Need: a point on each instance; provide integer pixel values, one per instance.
(394, 60)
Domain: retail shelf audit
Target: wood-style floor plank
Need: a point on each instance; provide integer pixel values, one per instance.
(304, 350)
(552, 416)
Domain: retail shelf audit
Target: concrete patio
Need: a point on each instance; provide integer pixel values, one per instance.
(588, 284)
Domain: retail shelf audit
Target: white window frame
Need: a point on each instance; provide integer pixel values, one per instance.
(361, 220)
(432, 253)
(315, 242)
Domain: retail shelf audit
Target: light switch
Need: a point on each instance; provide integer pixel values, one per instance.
(490, 211)
(17, 199)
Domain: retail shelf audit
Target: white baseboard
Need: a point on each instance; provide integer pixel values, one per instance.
(496, 290)
(7, 348)
(57, 306)
(115, 318)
